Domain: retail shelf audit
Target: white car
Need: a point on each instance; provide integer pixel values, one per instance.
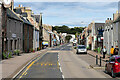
(81, 49)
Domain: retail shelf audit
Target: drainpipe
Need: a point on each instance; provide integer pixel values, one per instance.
(34, 35)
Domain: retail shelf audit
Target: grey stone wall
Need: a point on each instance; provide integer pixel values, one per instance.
(0, 32)
(14, 27)
(119, 36)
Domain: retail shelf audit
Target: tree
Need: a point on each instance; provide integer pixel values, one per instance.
(67, 38)
(66, 29)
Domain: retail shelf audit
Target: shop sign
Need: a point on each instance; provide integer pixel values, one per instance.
(14, 35)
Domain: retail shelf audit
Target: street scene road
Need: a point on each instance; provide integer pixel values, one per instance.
(59, 40)
(61, 63)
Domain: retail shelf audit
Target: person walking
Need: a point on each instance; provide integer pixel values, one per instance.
(104, 51)
(112, 51)
(116, 50)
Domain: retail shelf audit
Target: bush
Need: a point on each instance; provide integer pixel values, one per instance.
(17, 52)
(9, 54)
(4, 55)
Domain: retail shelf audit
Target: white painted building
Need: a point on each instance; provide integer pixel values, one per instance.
(72, 39)
(108, 33)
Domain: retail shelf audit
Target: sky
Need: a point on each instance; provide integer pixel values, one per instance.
(72, 14)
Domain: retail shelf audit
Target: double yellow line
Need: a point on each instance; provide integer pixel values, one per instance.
(25, 72)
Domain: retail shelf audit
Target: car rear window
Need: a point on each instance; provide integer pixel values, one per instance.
(118, 60)
(81, 47)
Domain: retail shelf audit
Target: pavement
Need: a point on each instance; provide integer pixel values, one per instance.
(11, 66)
(93, 53)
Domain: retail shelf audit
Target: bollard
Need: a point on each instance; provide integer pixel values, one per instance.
(100, 60)
(96, 59)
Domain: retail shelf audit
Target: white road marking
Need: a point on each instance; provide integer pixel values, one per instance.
(60, 69)
(63, 76)
(59, 64)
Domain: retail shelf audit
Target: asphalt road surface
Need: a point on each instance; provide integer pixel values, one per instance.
(62, 64)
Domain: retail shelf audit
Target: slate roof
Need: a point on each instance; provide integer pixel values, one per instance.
(26, 21)
(117, 20)
(18, 11)
(11, 14)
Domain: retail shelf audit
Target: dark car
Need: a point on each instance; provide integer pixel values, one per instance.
(113, 66)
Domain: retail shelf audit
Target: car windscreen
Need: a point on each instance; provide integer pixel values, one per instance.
(81, 47)
(118, 60)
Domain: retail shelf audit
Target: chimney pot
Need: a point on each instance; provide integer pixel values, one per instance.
(107, 18)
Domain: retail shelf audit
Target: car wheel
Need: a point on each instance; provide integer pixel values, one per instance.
(77, 52)
(113, 74)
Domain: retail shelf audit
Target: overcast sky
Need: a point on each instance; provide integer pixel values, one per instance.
(72, 13)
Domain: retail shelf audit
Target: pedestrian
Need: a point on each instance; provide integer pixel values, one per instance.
(112, 51)
(104, 51)
(116, 50)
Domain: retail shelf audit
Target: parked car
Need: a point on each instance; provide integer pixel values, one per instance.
(81, 49)
(113, 66)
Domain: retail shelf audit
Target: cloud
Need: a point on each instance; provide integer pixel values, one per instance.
(72, 13)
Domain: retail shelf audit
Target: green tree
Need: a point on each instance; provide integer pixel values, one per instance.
(67, 38)
(66, 29)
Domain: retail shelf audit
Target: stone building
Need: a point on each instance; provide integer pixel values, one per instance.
(39, 20)
(12, 31)
(108, 35)
(27, 35)
(111, 32)
(95, 27)
(116, 28)
(27, 29)
(47, 35)
(89, 37)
